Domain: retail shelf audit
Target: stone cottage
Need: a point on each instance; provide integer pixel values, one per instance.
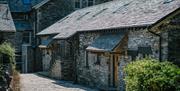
(92, 45)
(7, 28)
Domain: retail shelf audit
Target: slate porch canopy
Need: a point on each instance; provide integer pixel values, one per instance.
(106, 42)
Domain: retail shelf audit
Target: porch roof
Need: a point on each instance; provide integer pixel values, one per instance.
(106, 42)
(113, 14)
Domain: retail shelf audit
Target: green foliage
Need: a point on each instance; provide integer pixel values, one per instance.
(7, 49)
(152, 75)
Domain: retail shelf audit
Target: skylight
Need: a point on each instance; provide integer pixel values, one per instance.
(122, 9)
(167, 1)
(83, 15)
(63, 19)
(99, 12)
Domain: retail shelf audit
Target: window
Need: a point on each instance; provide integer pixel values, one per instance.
(98, 60)
(17, 16)
(144, 51)
(77, 4)
(123, 8)
(90, 2)
(27, 37)
(63, 19)
(167, 1)
(27, 1)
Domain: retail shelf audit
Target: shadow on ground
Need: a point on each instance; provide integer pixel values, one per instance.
(67, 84)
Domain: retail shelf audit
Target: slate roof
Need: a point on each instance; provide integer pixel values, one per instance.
(114, 14)
(22, 25)
(19, 6)
(106, 42)
(6, 21)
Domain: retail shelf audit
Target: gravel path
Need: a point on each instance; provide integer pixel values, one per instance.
(33, 82)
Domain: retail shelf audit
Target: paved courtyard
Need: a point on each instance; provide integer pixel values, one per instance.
(34, 82)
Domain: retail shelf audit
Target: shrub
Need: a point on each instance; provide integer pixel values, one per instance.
(152, 75)
(7, 64)
(7, 50)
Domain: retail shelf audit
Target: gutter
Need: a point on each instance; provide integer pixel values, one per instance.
(160, 43)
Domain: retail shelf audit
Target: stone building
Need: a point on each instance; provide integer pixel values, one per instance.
(7, 28)
(30, 17)
(24, 40)
(92, 45)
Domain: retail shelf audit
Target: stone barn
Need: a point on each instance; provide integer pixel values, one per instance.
(92, 45)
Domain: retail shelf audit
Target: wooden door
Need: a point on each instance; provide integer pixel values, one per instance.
(114, 70)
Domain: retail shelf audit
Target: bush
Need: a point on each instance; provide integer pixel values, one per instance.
(8, 51)
(7, 65)
(152, 75)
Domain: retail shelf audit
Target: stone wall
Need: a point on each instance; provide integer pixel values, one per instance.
(85, 39)
(164, 45)
(90, 75)
(61, 65)
(173, 40)
(122, 64)
(50, 13)
(9, 37)
(143, 38)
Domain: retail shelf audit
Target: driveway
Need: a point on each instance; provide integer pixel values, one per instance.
(34, 82)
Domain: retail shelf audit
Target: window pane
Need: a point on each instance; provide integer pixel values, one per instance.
(77, 3)
(90, 2)
(26, 37)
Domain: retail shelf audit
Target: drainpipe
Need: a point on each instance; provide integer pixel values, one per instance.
(35, 40)
(160, 43)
